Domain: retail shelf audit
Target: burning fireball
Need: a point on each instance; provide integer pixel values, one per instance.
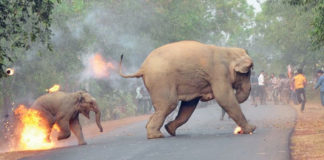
(99, 67)
(32, 130)
(54, 88)
(10, 71)
(238, 130)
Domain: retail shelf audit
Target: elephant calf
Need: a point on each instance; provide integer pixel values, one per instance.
(190, 72)
(64, 108)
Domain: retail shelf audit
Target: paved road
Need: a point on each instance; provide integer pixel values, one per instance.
(203, 137)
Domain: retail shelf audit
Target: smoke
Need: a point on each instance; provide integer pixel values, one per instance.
(113, 32)
(105, 29)
(96, 67)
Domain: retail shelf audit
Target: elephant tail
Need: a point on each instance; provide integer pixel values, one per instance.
(138, 74)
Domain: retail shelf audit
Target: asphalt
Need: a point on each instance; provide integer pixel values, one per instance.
(203, 137)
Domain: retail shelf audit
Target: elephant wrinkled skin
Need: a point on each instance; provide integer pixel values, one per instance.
(64, 108)
(190, 71)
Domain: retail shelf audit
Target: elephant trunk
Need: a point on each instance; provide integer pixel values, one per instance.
(242, 94)
(98, 116)
(243, 87)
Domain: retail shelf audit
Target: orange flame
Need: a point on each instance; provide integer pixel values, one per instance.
(99, 67)
(56, 127)
(238, 130)
(33, 131)
(10, 71)
(54, 88)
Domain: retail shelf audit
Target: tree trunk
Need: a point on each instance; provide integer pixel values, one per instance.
(6, 98)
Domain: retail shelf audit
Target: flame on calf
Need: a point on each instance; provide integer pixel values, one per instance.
(32, 130)
(54, 88)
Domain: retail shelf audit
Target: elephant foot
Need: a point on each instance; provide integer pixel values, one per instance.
(170, 130)
(63, 136)
(154, 135)
(248, 129)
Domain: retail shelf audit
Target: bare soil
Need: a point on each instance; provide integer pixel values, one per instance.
(307, 141)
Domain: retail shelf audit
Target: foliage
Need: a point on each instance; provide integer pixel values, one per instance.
(282, 34)
(21, 23)
(317, 8)
(277, 36)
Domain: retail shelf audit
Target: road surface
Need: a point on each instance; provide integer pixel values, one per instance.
(204, 136)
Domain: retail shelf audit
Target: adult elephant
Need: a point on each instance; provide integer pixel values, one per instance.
(63, 109)
(189, 71)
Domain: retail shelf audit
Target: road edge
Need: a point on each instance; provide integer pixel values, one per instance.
(292, 131)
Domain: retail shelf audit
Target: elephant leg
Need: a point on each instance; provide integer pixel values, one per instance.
(49, 131)
(49, 121)
(224, 95)
(157, 119)
(164, 103)
(64, 129)
(76, 128)
(185, 112)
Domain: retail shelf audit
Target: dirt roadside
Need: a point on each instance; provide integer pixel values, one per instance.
(307, 140)
(89, 131)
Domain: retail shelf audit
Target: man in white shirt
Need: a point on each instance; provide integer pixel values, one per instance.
(139, 98)
(261, 87)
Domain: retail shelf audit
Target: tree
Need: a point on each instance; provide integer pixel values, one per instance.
(21, 23)
(282, 36)
(317, 8)
(114, 27)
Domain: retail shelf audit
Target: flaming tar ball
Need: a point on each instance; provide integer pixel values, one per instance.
(10, 71)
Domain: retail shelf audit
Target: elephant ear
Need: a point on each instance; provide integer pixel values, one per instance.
(81, 99)
(243, 65)
(240, 65)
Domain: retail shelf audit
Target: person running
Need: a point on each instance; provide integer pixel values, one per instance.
(299, 86)
(293, 95)
(254, 88)
(320, 83)
(261, 87)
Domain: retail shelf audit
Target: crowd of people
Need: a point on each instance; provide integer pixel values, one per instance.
(270, 88)
(282, 88)
(265, 88)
